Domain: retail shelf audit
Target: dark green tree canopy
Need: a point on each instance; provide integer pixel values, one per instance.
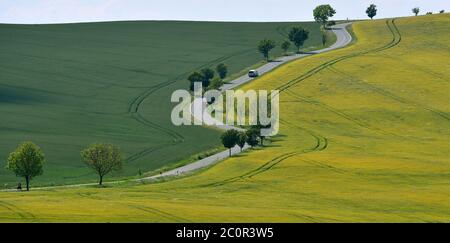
(230, 139)
(205, 75)
(195, 77)
(26, 161)
(265, 46)
(102, 158)
(416, 10)
(241, 139)
(371, 11)
(298, 36)
(252, 137)
(222, 70)
(322, 13)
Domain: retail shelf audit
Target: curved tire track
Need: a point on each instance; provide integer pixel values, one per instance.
(321, 144)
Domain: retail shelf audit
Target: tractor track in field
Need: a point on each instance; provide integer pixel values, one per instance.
(14, 209)
(321, 144)
(158, 212)
(323, 165)
(396, 39)
(390, 95)
(146, 209)
(337, 112)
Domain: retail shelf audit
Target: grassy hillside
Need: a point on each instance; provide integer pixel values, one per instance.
(365, 137)
(67, 86)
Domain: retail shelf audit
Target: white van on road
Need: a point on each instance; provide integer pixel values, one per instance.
(253, 73)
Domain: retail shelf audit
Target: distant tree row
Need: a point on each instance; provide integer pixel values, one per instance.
(252, 137)
(28, 160)
(416, 11)
(298, 35)
(207, 77)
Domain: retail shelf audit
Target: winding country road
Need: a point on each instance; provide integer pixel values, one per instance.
(343, 38)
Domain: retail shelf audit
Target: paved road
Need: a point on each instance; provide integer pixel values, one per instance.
(343, 39)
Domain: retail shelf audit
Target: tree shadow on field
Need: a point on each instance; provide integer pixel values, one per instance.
(17, 96)
(272, 145)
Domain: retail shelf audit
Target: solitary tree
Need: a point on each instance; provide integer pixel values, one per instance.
(371, 11)
(429, 13)
(265, 46)
(442, 11)
(195, 77)
(102, 158)
(26, 161)
(252, 137)
(229, 139)
(298, 36)
(322, 13)
(285, 46)
(416, 10)
(241, 140)
(222, 70)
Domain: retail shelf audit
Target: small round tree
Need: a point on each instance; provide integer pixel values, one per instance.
(102, 158)
(194, 77)
(371, 11)
(298, 36)
(252, 137)
(241, 140)
(229, 139)
(222, 70)
(416, 10)
(265, 46)
(322, 13)
(207, 74)
(26, 161)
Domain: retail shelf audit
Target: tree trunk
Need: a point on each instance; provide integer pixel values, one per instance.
(230, 151)
(27, 179)
(101, 180)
